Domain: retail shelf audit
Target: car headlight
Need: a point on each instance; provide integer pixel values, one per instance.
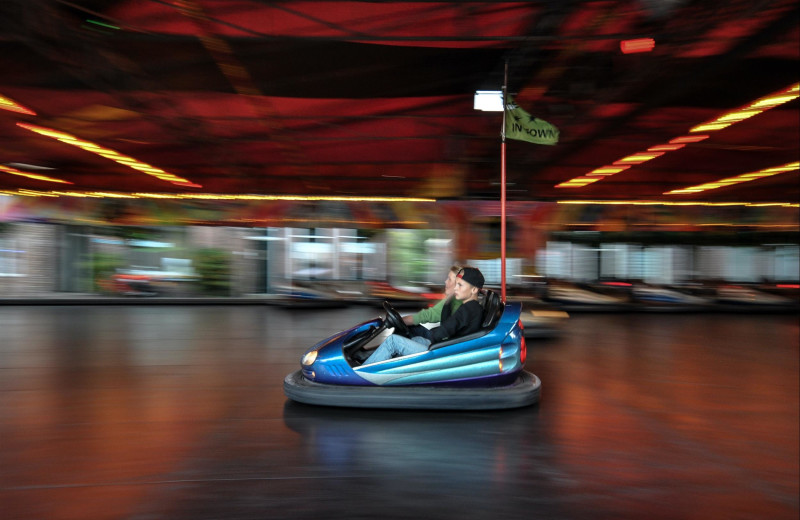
(309, 358)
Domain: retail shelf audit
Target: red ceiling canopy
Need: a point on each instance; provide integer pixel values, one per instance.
(375, 98)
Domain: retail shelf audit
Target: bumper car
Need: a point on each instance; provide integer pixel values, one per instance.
(299, 296)
(657, 298)
(479, 371)
(133, 285)
(749, 299)
(396, 296)
(574, 298)
(543, 321)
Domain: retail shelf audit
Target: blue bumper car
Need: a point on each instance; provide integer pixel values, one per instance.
(480, 371)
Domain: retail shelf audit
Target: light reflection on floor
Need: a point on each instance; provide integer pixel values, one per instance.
(178, 412)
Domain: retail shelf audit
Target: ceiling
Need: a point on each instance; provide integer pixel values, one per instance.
(333, 98)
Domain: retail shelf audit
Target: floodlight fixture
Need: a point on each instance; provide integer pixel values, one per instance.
(488, 100)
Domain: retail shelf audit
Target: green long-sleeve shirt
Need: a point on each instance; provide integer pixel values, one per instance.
(434, 314)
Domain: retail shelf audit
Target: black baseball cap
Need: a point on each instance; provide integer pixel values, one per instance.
(472, 276)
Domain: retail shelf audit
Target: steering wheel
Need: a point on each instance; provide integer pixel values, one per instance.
(393, 319)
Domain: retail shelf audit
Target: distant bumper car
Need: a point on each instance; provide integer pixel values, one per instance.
(127, 284)
(668, 298)
(297, 295)
(574, 298)
(739, 297)
(543, 321)
(146, 282)
(396, 296)
(480, 371)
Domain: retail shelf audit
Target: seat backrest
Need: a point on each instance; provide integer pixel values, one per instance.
(492, 309)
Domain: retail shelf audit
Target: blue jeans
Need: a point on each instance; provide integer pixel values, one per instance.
(419, 330)
(396, 345)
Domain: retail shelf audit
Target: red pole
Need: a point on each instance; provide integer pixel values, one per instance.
(503, 219)
(503, 193)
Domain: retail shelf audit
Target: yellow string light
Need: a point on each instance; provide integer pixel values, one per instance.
(108, 153)
(676, 203)
(12, 106)
(213, 196)
(725, 120)
(744, 177)
(14, 171)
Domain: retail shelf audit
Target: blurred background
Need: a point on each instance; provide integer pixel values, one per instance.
(347, 252)
(298, 151)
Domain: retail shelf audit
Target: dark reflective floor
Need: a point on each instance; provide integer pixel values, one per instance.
(166, 412)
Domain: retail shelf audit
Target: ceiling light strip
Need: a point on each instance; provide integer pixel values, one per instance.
(744, 177)
(676, 203)
(213, 196)
(725, 120)
(108, 153)
(631, 160)
(12, 106)
(756, 107)
(14, 171)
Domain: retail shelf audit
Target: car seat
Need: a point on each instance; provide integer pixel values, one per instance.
(492, 309)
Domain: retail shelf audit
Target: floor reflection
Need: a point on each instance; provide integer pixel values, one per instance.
(168, 412)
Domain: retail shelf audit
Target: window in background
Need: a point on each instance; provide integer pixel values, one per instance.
(11, 256)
